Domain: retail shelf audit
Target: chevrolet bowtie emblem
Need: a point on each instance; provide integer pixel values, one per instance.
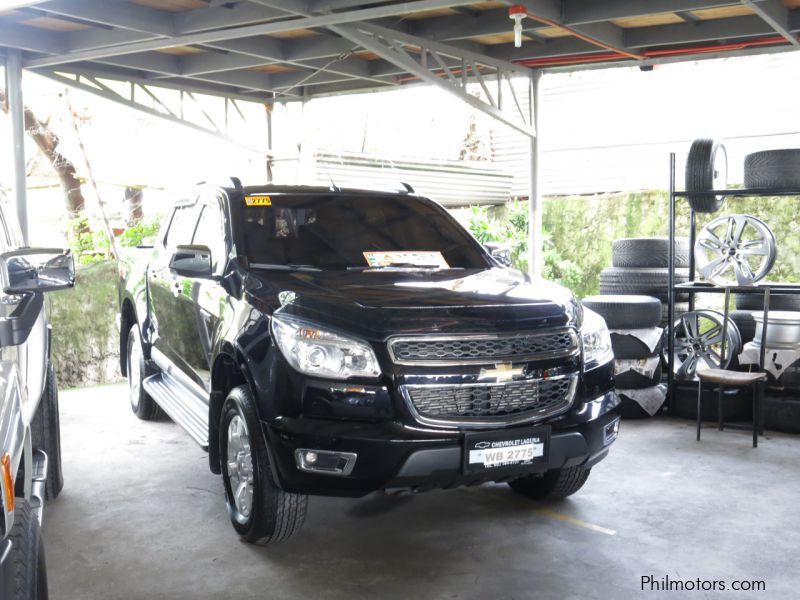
(501, 372)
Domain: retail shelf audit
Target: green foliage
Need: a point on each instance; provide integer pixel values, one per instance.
(579, 230)
(141, 234)
(92, 246)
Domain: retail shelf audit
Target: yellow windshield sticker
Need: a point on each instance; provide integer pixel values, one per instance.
(259, 200)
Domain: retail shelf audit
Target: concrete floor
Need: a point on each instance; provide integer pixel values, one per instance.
(142, 517)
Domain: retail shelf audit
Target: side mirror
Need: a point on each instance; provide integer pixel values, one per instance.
(500, 252)
(37, 270)
(192, 261)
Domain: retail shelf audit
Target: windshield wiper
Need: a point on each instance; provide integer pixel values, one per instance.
(287, 267)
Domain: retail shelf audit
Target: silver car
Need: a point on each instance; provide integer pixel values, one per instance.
(30, 446)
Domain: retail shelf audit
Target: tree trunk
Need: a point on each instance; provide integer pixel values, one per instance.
(134, 211)
(47, 142)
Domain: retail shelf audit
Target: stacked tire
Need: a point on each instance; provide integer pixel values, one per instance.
(633, 321)
(640, 266)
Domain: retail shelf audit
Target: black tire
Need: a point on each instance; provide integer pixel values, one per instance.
(552, 485)
(680, 308)
(745, 322)
(703, 176)
(274, 515)
(649, 252)
(773, 169)
(46, 434)
(631, 380)
(625, 312)
(28, 566)
(630, 409)
(142, 405)
(641, 281)
(776, 302)
(782, 413)
(628, 347)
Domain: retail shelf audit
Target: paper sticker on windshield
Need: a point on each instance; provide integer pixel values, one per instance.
(259, 200)
(394, 258)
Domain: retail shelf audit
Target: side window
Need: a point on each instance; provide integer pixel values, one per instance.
(181, 227)
(210, 232)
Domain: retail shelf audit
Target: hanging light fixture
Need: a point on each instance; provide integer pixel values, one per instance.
(517, 12)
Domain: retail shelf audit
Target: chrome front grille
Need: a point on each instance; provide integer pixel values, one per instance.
(484, 348)
(513, 401)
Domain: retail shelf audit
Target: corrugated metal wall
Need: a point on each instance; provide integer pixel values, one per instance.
(449, 182)
(611, 130)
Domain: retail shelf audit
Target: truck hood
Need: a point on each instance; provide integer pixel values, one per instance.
(377, 304)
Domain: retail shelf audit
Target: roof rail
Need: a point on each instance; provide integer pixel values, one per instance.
(231, 180)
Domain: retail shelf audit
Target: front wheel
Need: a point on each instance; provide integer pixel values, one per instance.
(260, 511)
(142, 405)
(552, 485)
(28, 569)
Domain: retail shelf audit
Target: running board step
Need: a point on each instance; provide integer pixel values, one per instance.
(183, 406)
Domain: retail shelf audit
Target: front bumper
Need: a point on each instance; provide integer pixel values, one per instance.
(392, 456)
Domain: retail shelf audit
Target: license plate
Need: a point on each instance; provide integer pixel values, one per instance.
(500, 449)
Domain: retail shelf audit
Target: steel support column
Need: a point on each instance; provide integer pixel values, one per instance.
(535, 241)
(16, 111)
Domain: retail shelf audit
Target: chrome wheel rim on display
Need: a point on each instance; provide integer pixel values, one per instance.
(735, 250)
(698, 343)
(239, 465)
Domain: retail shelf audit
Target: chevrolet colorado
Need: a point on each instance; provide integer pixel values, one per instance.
(340, 342)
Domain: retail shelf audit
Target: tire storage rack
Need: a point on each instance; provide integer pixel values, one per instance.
(766, 290)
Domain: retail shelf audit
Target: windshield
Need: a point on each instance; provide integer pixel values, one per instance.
(354, 232)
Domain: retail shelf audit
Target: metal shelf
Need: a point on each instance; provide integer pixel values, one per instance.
(693, 287)
(738, 193)
(700, 287)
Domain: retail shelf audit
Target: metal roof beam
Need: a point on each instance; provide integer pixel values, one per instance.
(565, 46)
(705, 31)
(440, 48)
(29, 38)
(391, 46)
(578, 12)
(776, 15)
(124, 15)
(242, 13)
(605, 35)
(125, 76)
(73, 54)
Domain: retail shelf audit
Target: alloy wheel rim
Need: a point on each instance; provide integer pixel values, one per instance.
(735, 250)
(239, 467)
(698, 343)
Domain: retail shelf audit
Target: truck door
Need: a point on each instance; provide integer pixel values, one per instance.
(164, 287)
(202, 301)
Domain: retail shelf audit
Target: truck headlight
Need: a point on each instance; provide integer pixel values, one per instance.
(322, 353)
(596, 339)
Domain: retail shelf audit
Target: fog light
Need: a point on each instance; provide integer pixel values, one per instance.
(611, 432)
(325, 462)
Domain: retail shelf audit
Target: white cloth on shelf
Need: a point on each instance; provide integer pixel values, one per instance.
(775, 359)
(649, 336)
(650, 399)
(643, 366)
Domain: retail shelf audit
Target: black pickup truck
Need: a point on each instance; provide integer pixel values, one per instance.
(340, 342)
